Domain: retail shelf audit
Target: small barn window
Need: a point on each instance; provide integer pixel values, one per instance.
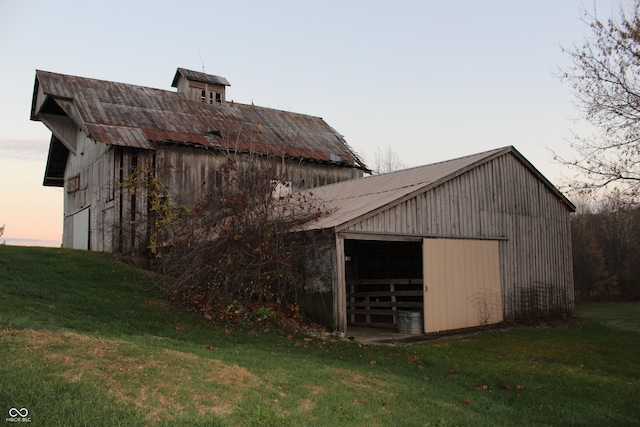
(73, 184)
(203, 96)
(215, 97)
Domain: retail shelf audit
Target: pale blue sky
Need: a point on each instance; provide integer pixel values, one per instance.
(433, 80)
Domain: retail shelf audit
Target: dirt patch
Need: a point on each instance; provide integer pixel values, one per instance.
(349, 378)
(163, 384)
(307, 406)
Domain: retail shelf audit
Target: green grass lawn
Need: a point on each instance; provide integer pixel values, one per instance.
(86, 340)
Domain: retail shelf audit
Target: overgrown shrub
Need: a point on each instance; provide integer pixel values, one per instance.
(235, 250)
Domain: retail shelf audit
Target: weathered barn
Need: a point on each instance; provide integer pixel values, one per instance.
(463, 243)
(104, 131)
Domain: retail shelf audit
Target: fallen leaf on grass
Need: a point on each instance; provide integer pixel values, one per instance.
(209, 347)
(452, 371)
(520, 387)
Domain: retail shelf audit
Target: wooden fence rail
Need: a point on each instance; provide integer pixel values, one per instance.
(375, 302)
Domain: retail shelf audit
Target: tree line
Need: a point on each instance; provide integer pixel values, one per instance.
(606, 254)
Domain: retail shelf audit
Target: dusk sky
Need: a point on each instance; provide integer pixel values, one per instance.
(433, 80)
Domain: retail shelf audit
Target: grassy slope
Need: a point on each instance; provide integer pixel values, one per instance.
(85, 340)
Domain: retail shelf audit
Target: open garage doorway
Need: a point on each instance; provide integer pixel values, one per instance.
(382, 278)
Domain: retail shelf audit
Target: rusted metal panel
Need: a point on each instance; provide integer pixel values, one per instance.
(140, 117)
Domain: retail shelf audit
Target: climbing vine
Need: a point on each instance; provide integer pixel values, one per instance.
(162, 214)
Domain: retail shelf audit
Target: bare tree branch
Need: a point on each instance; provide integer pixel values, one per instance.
(605, 80)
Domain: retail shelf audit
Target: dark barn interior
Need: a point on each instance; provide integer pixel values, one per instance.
(382, 277)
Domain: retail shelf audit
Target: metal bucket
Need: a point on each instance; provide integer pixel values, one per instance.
(410, 322)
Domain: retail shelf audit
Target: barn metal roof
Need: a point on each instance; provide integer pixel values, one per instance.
(351, 200)
(201, 77)
(137, 116)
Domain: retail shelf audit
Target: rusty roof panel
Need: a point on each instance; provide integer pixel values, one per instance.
(138, 116)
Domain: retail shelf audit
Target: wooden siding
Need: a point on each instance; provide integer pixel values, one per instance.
(502, 200)
(193, 172)
(86, 188)
(117, 217)
(92, 183)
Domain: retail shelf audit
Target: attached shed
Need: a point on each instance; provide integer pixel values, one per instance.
(467, 242)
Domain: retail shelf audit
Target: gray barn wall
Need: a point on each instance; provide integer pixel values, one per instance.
(191, 172)
(118, 217)
(93, 165)
(501, 199)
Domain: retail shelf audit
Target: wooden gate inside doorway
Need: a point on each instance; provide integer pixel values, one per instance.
(382, 277)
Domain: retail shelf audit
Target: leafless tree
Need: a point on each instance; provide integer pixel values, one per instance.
(605, 80)
(386, 160)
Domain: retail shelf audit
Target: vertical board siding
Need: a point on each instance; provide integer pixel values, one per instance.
(89, 168)
(499, 199)
(118, 220)
(190, 173)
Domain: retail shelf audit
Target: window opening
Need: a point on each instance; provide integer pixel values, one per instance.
(73, 184)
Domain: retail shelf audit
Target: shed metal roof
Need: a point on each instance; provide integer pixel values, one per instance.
(351, 200)
(137, 116)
